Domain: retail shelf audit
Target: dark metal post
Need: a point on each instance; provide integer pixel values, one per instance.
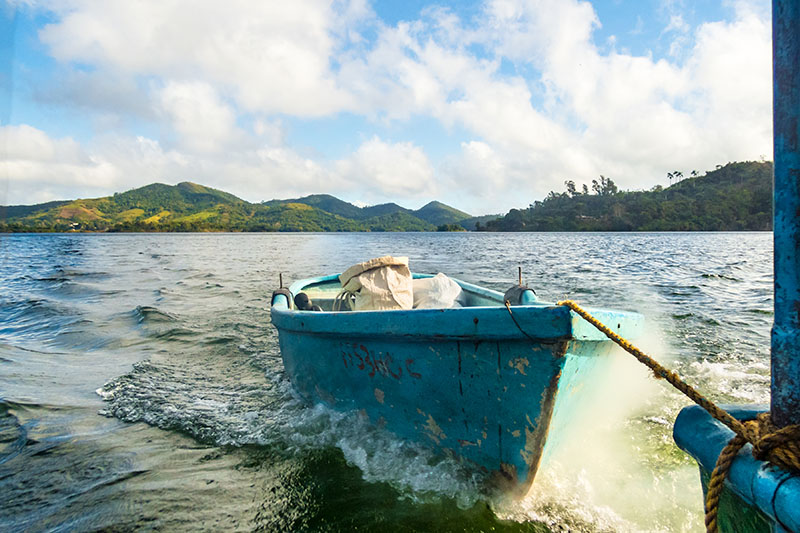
(785, 407)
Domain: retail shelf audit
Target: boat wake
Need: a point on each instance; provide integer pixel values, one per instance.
(233, 401)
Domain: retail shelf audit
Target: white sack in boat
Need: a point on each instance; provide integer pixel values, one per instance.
(436, 292)
(382, 283)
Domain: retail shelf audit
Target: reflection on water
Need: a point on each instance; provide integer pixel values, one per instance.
(141, 384)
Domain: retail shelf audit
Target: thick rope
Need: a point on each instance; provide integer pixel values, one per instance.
(717, 481)
(780, 447)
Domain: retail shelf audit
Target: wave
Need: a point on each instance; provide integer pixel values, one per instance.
(147, 315)
(38, 325)
(720, 276)
(13, 435)
(703, 319)
(36, 313)
(220, 340)
(52, 279)
(766, 312)
(178, 334)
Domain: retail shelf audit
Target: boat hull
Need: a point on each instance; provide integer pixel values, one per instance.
(467, 380)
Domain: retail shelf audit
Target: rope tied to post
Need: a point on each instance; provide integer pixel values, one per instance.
(779, 446)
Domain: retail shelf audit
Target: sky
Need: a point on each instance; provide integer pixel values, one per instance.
(483, 105)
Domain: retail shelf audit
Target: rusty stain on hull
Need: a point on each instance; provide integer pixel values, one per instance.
(535, 439)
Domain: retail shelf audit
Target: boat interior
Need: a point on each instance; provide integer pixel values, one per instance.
(324, 292)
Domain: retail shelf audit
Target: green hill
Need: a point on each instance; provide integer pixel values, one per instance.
(297, 217)
(477, 223)
(14, 211)
(156, 207)
(383, 217)
(736, 197)
(438, 214)
(192, 207)
(183, 197)
(398, 219)
(381, 210)
(325, 202)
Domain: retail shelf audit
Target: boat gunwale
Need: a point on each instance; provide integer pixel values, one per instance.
(541, 322)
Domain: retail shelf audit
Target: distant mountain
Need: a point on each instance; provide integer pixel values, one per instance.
(476, 223)
(383, 210)
(14, 211)
(325, 202)
(156, 206)
(192, 207)
(438, 214)
(398, 219)
(378, 217)
(185, 196)
(297, 217)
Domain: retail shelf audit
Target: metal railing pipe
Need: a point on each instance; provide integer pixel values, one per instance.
(785, 407)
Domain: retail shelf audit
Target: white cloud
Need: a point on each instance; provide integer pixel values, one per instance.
(203, 122)
(540, 31)
(676, 24)
(24, 143)
(271, 132)
(732, 71)
(625, 116)
(679, 29)
(38, 168)
(253, 173)
(378, 170)
(269, 56)
(220, 81)
(479, 170)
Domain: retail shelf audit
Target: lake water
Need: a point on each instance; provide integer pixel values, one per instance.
(141, 384)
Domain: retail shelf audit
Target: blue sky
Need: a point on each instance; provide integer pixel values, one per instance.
(482, 105)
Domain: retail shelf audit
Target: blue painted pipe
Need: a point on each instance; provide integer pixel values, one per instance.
(785, 407)
(772, 491)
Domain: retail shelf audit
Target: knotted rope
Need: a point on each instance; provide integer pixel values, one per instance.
(780, 447)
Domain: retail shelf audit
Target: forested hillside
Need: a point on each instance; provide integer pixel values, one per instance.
(736, 197)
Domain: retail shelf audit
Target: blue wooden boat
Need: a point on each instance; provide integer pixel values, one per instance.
(758, 496)
(496, 390)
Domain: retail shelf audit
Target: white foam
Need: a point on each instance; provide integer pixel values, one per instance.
(417, 472)
(618, 469)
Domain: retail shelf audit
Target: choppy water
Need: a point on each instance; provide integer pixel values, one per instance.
(141, 385)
